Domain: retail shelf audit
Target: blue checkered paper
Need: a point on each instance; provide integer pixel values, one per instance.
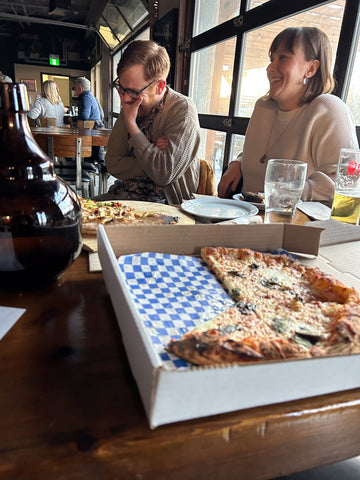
(173, 294)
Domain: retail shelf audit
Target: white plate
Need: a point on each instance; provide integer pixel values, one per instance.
(239, 197)
(218, 208)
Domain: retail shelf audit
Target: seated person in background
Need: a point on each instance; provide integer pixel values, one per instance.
(153, 147)
(298, 118)
(90, 109)
(48, 105)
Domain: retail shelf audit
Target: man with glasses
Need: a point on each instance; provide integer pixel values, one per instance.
(153, 147)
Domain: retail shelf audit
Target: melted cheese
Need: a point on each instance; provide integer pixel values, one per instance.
(275, 300)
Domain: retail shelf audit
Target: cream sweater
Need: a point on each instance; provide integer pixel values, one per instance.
(314, 133)
(177, 167)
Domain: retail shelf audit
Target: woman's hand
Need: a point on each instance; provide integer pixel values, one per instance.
(162, 142)
(230, 180)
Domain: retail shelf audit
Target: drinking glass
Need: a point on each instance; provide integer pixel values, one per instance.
(346, 204)
(284, 183)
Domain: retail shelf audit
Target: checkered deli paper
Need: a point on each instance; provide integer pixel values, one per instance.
(173, 294)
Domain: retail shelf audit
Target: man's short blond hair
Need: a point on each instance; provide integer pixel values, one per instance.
(148, 53)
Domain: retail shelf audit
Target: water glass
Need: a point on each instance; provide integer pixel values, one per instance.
(284, 183)
(346, 204)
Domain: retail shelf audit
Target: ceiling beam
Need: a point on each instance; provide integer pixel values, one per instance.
(23, 18)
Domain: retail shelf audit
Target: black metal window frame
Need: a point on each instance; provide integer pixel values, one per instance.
(265, 14)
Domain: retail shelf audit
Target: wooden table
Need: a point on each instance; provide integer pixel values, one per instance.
(70, 408)
(99, 137)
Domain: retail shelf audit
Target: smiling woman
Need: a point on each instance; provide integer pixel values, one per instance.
(297, 119)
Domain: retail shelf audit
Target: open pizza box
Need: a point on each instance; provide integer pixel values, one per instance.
(172, 390)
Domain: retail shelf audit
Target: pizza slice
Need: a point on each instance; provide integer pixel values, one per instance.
(116, 213)
(283, 310)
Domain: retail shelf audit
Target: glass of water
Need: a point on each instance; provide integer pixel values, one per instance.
(284, 183)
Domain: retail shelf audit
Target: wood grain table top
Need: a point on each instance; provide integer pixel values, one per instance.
(70, 407)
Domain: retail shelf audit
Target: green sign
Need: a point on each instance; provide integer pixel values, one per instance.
(54, 60)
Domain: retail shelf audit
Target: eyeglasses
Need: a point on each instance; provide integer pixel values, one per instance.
(132, 93)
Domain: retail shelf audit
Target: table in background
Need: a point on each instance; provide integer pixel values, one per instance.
(70, 407)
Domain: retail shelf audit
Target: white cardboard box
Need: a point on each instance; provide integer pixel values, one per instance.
(177, 394)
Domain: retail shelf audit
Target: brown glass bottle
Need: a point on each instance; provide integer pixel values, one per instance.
(40, 214)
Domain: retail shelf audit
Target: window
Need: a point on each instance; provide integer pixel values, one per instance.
(229, 56)
(353, 97)
(209, 14)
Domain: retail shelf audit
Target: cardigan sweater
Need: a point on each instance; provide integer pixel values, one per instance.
(314, 133)
(43, 108)
(176, 167)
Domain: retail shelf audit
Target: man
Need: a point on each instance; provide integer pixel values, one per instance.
(90, 109)
(153, 147)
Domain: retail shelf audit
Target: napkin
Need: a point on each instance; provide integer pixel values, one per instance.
(315, 210)
(8, 318)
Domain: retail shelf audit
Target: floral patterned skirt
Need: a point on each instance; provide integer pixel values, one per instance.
(138, 188)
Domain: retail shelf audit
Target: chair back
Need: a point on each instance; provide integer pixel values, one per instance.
(65, 145)
(207, 182)
(86, 124)
(47, 121)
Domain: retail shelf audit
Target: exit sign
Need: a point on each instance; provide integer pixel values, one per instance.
(54, 60)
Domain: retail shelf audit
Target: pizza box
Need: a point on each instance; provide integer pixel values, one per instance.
(172, 390)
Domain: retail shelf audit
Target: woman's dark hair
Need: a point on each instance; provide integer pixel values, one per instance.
(316, 46)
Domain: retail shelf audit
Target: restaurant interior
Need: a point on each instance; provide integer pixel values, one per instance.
(70, 402)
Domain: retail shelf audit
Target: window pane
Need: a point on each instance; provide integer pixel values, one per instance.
(209, 14)
(116, 21)
(353, 99)
(211, 77)
(237, 145)
(254, 81)
(212, 145)
(115, 95)
(256, 3)
(133, 10)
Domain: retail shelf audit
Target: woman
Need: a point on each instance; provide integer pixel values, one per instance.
(49, 105)
(297, 119)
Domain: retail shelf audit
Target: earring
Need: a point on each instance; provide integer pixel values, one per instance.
(305, 81)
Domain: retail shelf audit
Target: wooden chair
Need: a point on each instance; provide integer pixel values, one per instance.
(60, 147)
(103, 175)
(86, 124)
(207, 182)
(47, 121)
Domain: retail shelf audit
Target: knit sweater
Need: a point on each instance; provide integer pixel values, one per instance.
(176, 167)
(43, 108)
(314, 133)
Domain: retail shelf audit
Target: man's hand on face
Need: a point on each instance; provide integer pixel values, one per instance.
(130, 110)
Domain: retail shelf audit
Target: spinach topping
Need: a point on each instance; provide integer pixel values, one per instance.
(305, 342)
(280, 325)
(245, 308)
(227, 329)
(235, 292)
(236, 274)
(272, 283)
